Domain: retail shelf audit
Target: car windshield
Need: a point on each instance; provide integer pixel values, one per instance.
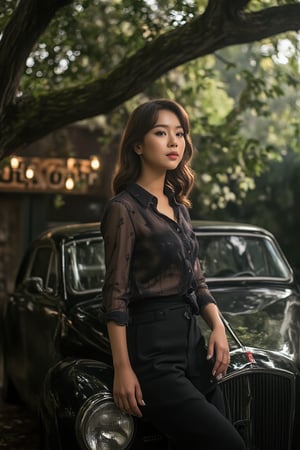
(84, 265)
(224, 255)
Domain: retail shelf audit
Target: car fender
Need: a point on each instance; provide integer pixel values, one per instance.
(67, 386)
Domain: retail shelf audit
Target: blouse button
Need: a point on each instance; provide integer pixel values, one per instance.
(178, 230)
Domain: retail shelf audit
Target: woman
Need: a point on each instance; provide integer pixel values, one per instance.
(154, 286)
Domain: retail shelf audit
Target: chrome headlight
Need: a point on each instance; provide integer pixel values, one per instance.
(100, 425)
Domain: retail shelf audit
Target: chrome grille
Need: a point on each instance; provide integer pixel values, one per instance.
(261, 406)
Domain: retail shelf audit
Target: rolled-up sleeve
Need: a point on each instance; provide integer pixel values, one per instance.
(119, 237)
(201, 289)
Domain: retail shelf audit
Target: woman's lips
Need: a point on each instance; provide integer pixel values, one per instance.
(172, 155)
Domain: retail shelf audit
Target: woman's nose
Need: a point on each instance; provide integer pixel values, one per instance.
(172, 142)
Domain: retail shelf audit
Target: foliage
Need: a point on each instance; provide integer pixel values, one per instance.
(235, 107)
(234, 96)
(94, 36)
(275, 204)
(104, 53)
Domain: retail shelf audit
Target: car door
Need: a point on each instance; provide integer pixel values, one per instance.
(39, 314)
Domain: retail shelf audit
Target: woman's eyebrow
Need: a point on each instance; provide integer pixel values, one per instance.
(166, 126)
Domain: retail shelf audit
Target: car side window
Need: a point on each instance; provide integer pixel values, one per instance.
(43, 266)
(257, 253)
(52, 280)
(238, 255)
(85, 266)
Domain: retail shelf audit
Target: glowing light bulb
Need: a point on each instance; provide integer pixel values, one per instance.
(70, 163)
(69, 183)
(29, 173)
(14, 162)
(95, 163)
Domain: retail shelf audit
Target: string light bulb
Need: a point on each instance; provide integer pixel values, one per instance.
(29, 173)
(70, 163)
(94, 162)
(69, 183)
(14, 162)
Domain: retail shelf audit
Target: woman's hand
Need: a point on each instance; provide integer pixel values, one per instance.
(127, 392)
(218, 346)
(217, 343)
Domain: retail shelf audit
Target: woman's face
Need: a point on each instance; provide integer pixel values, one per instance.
(163, 146)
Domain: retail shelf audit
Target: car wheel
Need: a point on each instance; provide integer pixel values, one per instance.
(42, 440)
(49, 438)
(1, 368)
(8, 391)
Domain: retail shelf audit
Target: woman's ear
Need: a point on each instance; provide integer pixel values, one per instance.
(138, 149)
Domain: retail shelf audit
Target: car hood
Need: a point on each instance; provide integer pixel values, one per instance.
(268, 318)
(261, 317)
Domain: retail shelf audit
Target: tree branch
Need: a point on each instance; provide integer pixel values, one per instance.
(28, 22)
(224, 23)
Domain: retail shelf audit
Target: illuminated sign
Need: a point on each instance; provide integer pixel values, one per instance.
(50, 175)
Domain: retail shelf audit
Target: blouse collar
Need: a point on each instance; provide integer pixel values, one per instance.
(145, 198)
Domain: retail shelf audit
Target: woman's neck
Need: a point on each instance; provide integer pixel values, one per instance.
(157, 189)
(154, 186)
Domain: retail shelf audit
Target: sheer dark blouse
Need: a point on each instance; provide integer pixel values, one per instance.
(148, 255)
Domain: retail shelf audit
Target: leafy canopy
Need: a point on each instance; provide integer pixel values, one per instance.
(242, 100)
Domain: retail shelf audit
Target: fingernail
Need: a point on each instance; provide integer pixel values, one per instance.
(209, 357)
(143, 403)
(219, 377)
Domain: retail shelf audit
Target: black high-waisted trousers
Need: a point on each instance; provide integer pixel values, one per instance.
(168, 354)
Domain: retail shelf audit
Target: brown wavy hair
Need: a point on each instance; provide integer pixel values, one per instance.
(143, 119)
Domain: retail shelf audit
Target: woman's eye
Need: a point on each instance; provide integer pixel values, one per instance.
(180, 134)
(160, 133)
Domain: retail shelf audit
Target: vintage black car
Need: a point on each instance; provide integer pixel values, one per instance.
(57, 355)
